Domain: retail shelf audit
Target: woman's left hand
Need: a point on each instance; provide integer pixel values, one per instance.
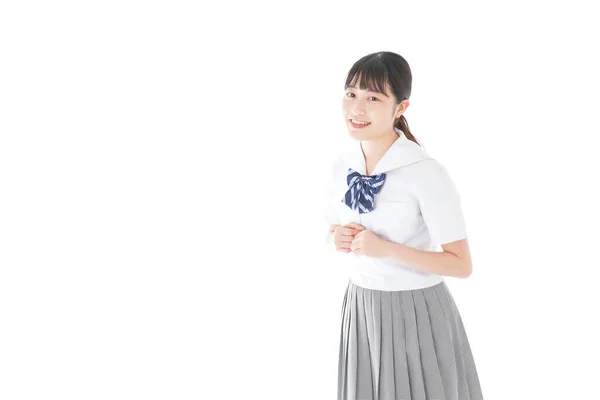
(369, 244)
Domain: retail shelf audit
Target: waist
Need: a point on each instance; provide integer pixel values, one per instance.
(384, 274)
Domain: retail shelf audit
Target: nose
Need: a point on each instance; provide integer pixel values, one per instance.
(358, 109)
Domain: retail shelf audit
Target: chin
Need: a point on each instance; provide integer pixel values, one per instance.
(360, 136)
(355, 135)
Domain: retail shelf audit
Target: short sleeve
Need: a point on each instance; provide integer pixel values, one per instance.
(331, 200)
(440, 204)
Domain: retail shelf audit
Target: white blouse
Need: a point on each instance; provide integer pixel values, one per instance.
(418, 206)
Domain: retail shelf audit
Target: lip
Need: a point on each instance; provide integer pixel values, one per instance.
(354, 126)
(353, 119)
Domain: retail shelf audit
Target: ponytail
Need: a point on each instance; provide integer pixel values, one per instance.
(402, 124)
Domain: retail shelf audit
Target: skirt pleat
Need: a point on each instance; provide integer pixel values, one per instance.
(404, 345)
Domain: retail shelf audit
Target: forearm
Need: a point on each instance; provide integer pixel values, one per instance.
(441, 263)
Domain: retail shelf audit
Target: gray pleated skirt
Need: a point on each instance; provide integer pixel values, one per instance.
(404, 345)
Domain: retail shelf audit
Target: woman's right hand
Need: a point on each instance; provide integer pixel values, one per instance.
(344, 234)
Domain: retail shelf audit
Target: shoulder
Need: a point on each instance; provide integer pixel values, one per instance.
(336, 172)
(338, 166)
(431, 176)
(427, 169)
(338, 162)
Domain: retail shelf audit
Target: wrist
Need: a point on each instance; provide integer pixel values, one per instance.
(390, 249)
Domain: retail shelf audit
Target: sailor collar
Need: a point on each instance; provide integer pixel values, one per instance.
(401, 153)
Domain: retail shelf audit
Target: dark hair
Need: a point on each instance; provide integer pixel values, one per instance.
(374, 70)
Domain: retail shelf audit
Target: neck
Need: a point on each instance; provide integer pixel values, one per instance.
(374, 149)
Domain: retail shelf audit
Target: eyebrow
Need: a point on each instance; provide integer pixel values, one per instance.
(372, 91)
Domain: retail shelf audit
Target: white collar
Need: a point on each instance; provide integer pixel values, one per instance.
(402, 152)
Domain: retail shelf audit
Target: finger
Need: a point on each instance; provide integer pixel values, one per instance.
(344, 243)
(354, 225)
(348, 231)
(343, 238)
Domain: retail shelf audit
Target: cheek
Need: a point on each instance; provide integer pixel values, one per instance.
(380, 117)
(345, 107)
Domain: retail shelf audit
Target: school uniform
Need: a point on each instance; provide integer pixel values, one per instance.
(402, 337)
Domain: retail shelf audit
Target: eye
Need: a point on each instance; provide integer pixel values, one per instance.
(371, 97)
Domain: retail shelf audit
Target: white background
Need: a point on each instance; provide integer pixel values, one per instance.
(161, 168)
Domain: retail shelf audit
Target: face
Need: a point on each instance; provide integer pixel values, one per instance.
(377, 109)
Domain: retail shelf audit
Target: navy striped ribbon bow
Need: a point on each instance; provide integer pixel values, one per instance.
(362, 190)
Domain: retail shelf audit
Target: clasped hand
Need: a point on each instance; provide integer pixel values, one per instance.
(353, 237)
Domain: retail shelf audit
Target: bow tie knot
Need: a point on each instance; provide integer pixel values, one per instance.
(362, 190)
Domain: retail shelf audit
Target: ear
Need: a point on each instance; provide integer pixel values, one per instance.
(401, 108)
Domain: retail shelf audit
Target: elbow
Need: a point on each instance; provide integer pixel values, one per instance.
(466, 271)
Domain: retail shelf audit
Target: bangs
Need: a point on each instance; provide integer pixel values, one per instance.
(371, 74)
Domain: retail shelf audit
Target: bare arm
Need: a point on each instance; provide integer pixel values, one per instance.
(454, 261)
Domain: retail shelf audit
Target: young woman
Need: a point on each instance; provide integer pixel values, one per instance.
(392, 207)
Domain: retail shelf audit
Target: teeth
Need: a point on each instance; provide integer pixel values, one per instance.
(359, 123)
